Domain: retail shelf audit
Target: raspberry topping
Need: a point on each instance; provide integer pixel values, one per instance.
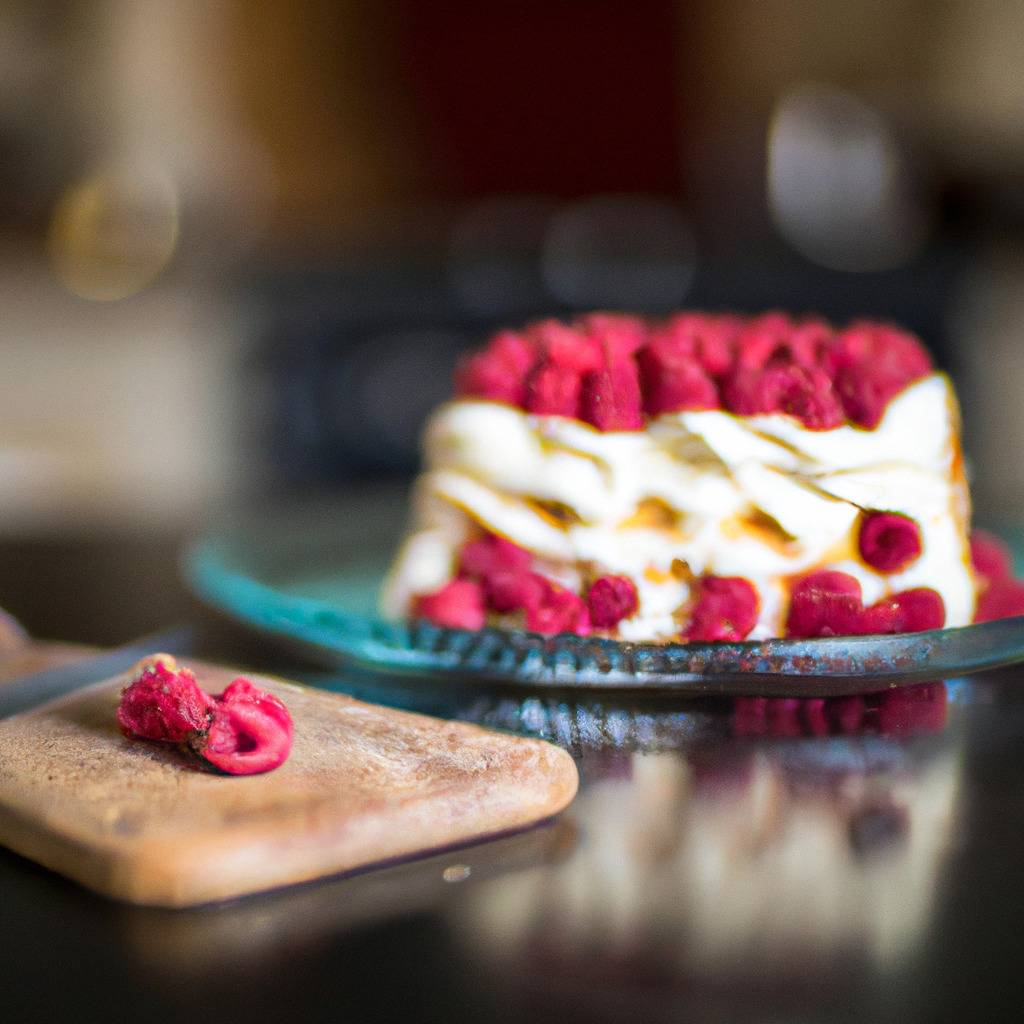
(1000, 596)
(804, 393)
(611, 397)
(610, 600)
(554, 390)
(825, 604)
(725, 609)
(889, 542)
(990, 556)
(560, 611)
(491, 553)
(829, 603)
(674, 386)
(1001, 599)
(499, 372)
(611, 368)
(510, 591)
(243, 731)
(909, 611)
(871, 363)
(618, 334)
(459, 604)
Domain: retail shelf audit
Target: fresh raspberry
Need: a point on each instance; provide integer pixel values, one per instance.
(889, 542)
(458, 604)
(560, 611)
(554, 390)
(825, 603)
(248, 735)
(990, 556)
(870, 364)
(245, 690)
(242, 731)
(674, 386)
(1001, 599)
(612, 599)
(910, 611)
(611, 397)
(499, 372)
(491, 553)
(164, 703)
(726, 609)
(761, 338)
(804, 393)
(509, 590)
(567, 347)
(807, 343)
(689, 339)
(619, 334)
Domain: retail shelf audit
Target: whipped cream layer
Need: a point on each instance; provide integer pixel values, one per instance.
(696, 493)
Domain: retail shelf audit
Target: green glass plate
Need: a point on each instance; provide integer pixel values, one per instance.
(310, 577)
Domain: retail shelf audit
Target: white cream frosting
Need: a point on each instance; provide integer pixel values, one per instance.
(718, 479)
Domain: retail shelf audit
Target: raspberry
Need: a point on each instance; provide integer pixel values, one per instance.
(990, 556)
(761, 338)
(509, 591)
(910, 611)
(560, 611)
(243, 731)
(804, 393)
(846, 714)
(248, 735)
(726, 609)
(480, 558)
(673, 386)
(610, 600)
(869, 365)
(458, 604)
(554, 390)
(499, 372)
(611, 397)
(889, 542)
(566, 346)
(1001, 599)
(912, 709)
(618, 334)
(825, 603)
(164, 703)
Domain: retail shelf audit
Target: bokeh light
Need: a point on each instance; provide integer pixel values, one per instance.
(840, 186)
(112, 233)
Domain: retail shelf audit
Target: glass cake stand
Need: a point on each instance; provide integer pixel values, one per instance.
(309, 577)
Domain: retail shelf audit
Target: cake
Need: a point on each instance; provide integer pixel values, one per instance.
(698, 478)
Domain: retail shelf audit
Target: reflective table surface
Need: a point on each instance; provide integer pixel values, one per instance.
(854, 859)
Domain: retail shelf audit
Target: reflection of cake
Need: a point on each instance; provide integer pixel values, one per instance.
(703, 478)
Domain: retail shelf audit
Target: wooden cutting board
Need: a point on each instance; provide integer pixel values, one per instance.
(364, 784)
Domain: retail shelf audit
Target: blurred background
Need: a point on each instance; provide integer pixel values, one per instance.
(242, 245)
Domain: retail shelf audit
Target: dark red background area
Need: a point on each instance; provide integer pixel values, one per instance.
(601, 74)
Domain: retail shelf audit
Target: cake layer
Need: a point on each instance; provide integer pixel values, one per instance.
(697, 494)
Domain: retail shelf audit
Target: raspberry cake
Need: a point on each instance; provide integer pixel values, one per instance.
(701, 478)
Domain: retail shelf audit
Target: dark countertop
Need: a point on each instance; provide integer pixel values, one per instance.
(790, 861)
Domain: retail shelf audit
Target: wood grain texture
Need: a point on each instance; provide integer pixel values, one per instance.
(364, 784)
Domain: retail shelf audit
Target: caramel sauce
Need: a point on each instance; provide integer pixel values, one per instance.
(554, 513)
(762, 527)
(653, 514)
